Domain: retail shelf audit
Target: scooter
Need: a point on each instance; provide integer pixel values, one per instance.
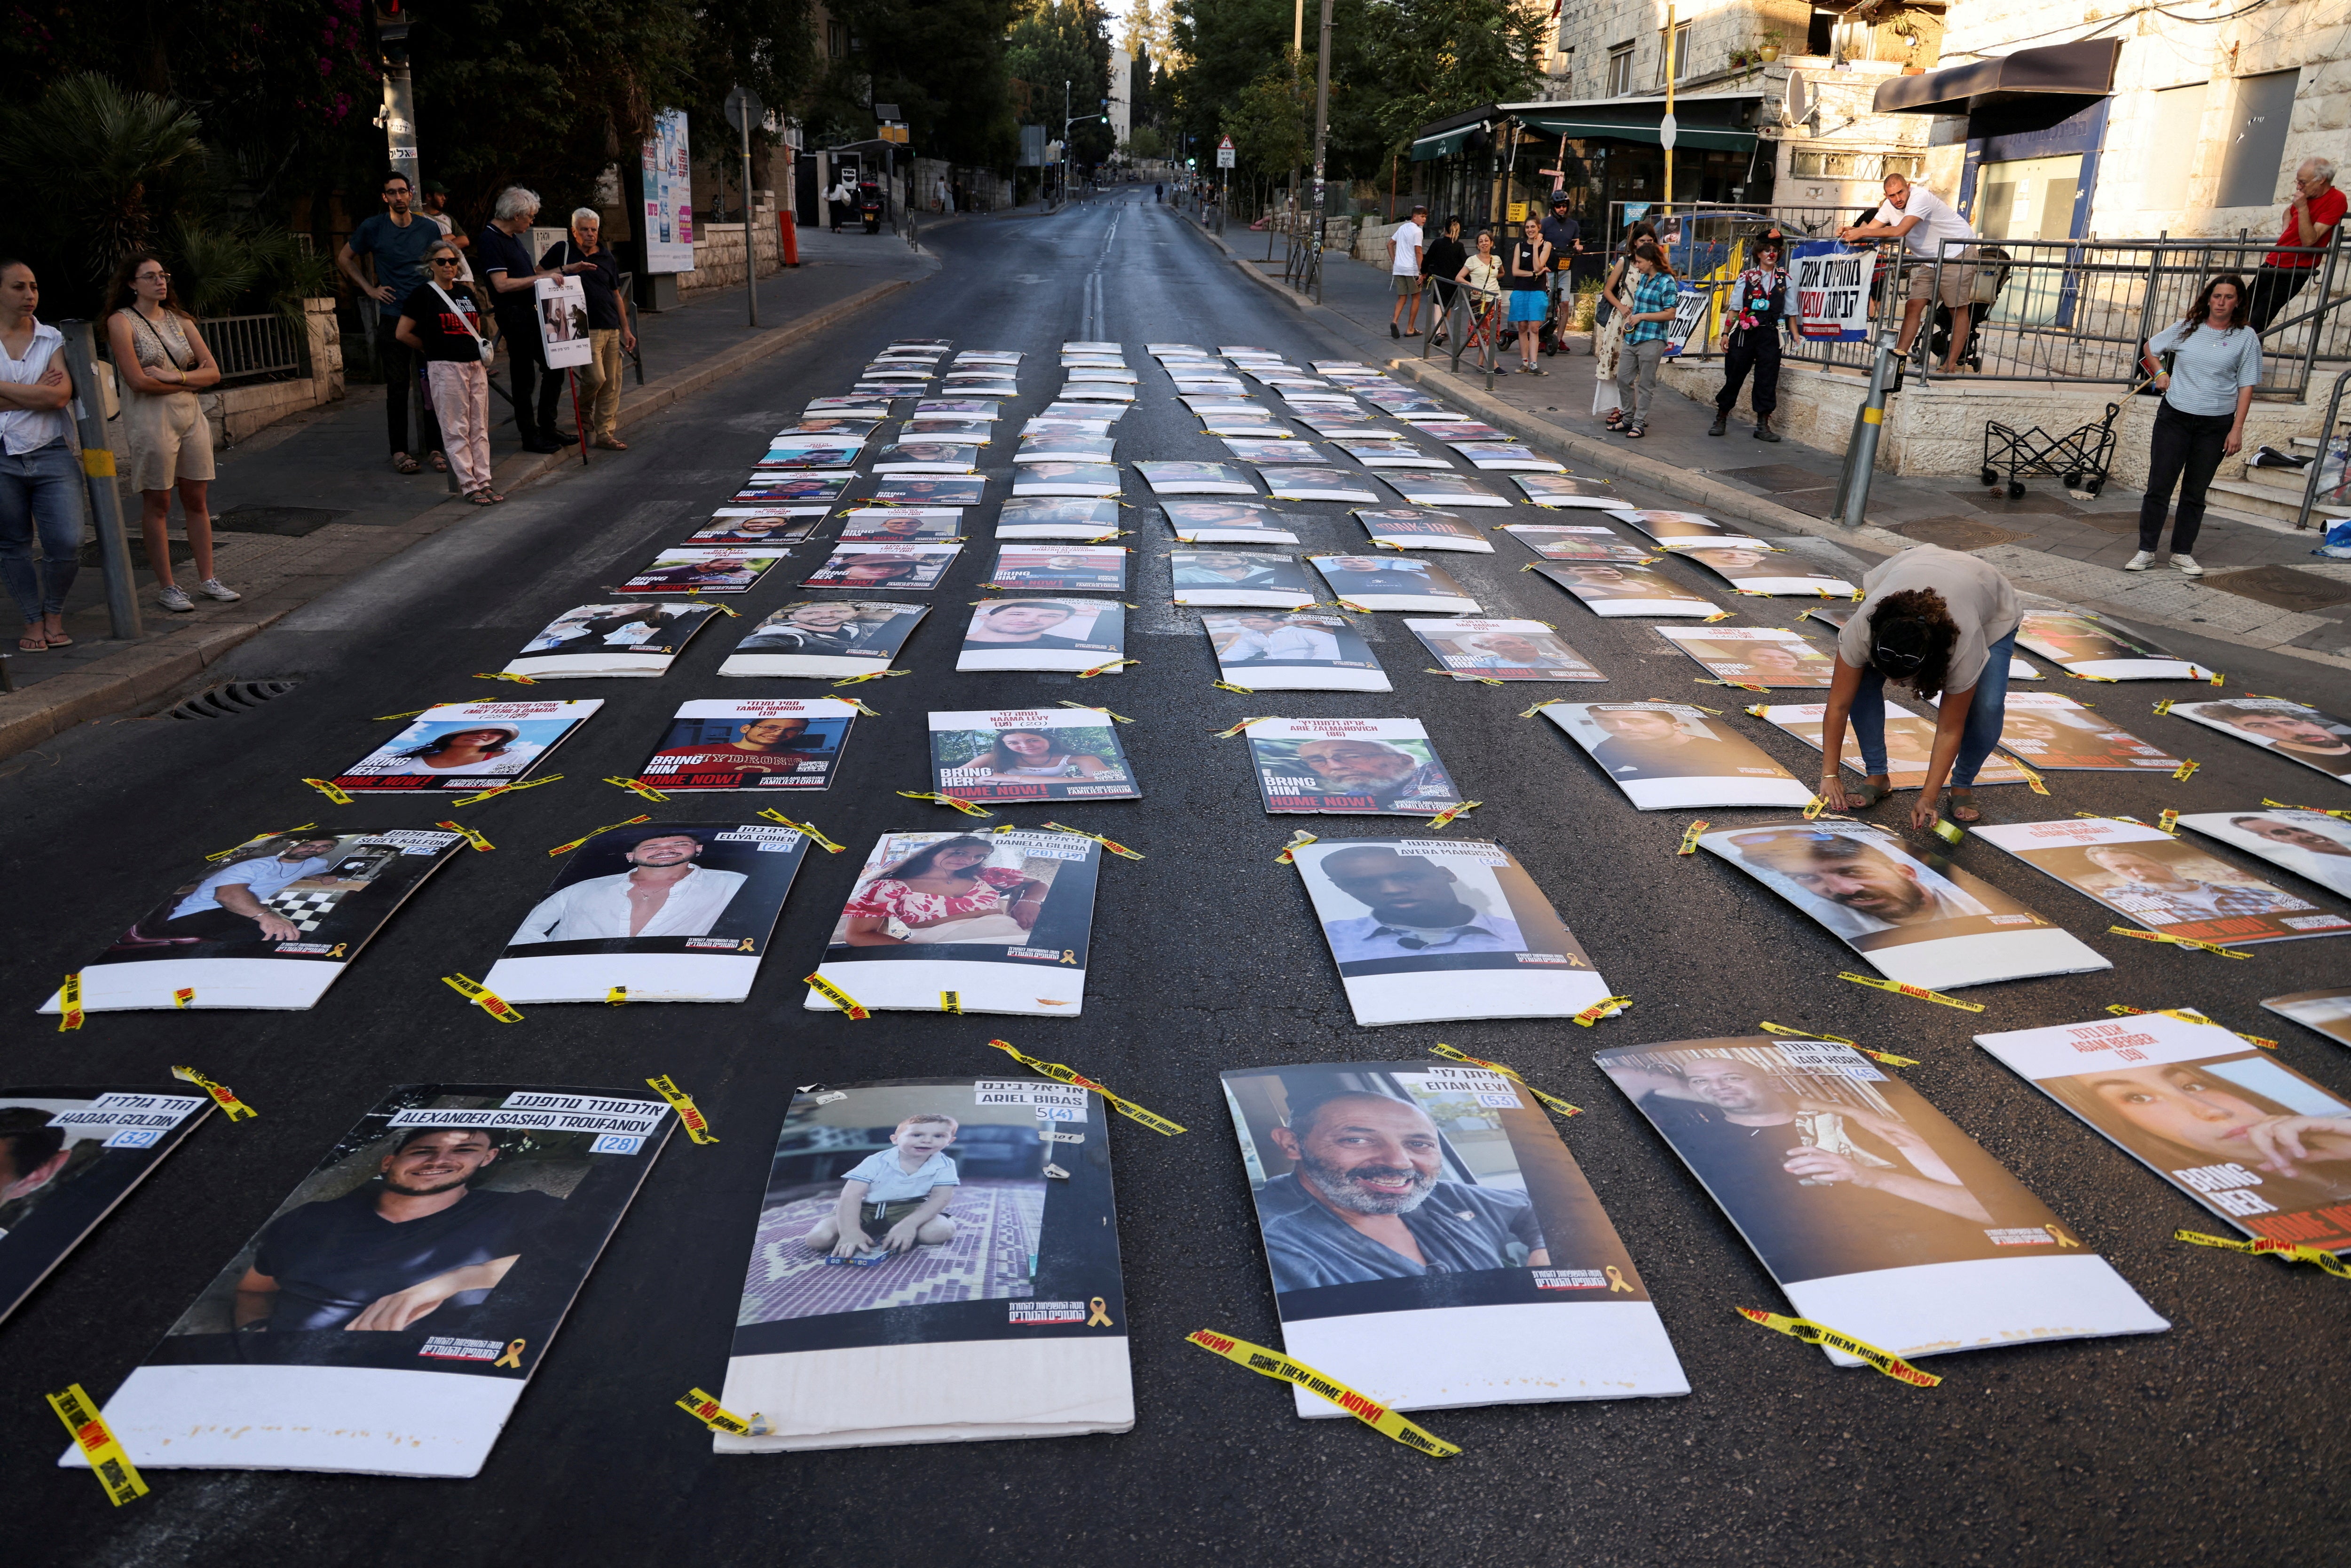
(869, 207)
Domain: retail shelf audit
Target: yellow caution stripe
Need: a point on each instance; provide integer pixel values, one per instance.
(1112, 845)
(505, 676)
(2177, 941)
(471, 837)
(482, 997)
(1918, 993)
(1298, 841)
(837, 996)
(2282, 806)
(1811, 1332)
(1228, 733)
(1606, 1006)
(1444, 817)
(330, 791)
(1371, 1412)
(965, 807)
(222, 1095)
(91, 1435)
(1088, 707)
(1054, 1070)
(1887, 1057)
(705, 1408)
(636, 787)
(498, 790)
(1553, 1101)
(829, 845)
(1690, 837)
(69, 1013)
(689, 1115)
(1529, 713)
(1105, 669)
(1463, 676)
(871, 675)
(2186, 771)
(2189, 1015)
(1228, 686)
(2291, 1251)
(623, 822)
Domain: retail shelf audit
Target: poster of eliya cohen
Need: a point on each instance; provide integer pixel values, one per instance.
(1294, 652)
(676, 911)
(1430, 929)
(1432, 1244)
(1910, 744)
(1360, 766)
(1754, 655)
(1233, 579)
(1759, 568)
(2057, 735)
(681, 570)
(464, 747)
(752, 743)
(1872, 1211)
(638, 638)
(2311, 845)
(385, 1318)
(1578, 542)
(1917, 918)
(1615, 589)
(1227, 522)
(2237, 1131)
(1667, 755)
(1060, 569)
(884, 564)
(66, 1157)
(1075, 635)
(935, 1260)
(1422, 527)
(992, 924)
(1394, 583)
(2166, 886)
(1058, 517)
(2090, 645)
(826, 637)
(1503, 650)
(2295, 731)
(1012, 755)
(271, 924)
(2325, 1012)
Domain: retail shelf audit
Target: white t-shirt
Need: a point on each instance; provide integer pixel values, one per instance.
(1936, 221)
(598, 909)
(1408, 239)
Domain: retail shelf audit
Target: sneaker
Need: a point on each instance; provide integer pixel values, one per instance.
(2140, 561)
(175, 597)
(2186, 565)
(2271, 458)
(214, 587)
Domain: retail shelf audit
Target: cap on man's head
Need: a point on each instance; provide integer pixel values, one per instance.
(1419, 207)
(435, 188)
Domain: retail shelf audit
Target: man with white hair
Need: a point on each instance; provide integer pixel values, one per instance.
(2311, 219)
(507, 270)
(583, 255)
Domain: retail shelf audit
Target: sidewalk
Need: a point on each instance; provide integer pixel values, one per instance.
(312, 500)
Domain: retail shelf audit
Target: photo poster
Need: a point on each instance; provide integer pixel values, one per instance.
(1394, 583)
(931, 489)
(1691, 312)
(2090, 645)
(1060, 569)
(680, 569)
(2157, 880)
(1567, 492)
(1421, 528)
(68, 1156)
(780, 524)
(902, 525)
(316, 1349)
(1689, 530)
(1359, 767)
(1868, 1207)
(1832, 289)
(1227, 522)
(1195, 479)
(1615, 588)
(810, 451)
(1503, 650)
(989, 922)
(721, 887)
(1750, 568)
(1239, 579)
(269, 925)
(821, 637)
(1099, 480)
(776, 487)
(1668, 755)
(2206, 1111)
(1071, 634)
(884, 566)
(1578, 542)
(2311, 845)
(1274, 651)
(1836, 615)
(1522, 1291)
(1009, 756)
(2322, 1013)
(752, 743)
(610, 640)
(999, 1314)
(464, 746)
(2055, 733)
(1449, 491)
(669, 194)
(1917, 918)
(1910, 744)
(1754, 655)
(1057, 518)
(2295, 731)
(563, 312)
(1400, 915)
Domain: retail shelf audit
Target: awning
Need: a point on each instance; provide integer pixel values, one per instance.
(1444, 144)
(2031, 89)
(1624, 128)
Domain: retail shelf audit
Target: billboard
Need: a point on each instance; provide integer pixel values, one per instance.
(669, 195)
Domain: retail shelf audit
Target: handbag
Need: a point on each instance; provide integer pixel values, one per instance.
(479, 342)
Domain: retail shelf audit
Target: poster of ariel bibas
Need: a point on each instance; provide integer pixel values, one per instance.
(68, 1156)
(1434, 1245)
(935, 1260)
(385, 1318)
(1872, 1211)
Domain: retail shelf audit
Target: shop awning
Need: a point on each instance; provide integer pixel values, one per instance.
(1627, 128)
(1444, 144)
(1712, 121)
(2031, 89)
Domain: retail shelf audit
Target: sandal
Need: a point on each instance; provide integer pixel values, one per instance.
(33, 642)
(1963, 805)
(57, 638)
(482, 497)
(440, 463)
(1635, 432)
(402, 463)
(1861, 797)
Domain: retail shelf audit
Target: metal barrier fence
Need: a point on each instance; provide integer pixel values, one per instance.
(256, 348)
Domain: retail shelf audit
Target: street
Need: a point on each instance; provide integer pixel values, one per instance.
(2219, 1441)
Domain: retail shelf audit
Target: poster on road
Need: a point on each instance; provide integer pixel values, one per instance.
(1227, 522)
(2295, 731)
(2089, 644)
(2157, 882)
(680, 569)
(72, 1154)
(1064, 634)
(751, 743)
(1578, 542)
(1753, 656)
(1753, 570)
(1910, 744)
(2057, 735)
(1665, 756)
(1058, 517)
(1832, 286)
(1015, 754)
(1270, 651)
(1060, 569)
(2311, 845)
(1620, 588)
(1375, 766)
(610, 640)
(833, 637)
(1501, 651)
(459, 747)
(1392, 582)
(883, 565)
(1239, 578)
(2324, 1013)
(1422, 527)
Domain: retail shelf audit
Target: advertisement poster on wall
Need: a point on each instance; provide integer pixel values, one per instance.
(669, 197)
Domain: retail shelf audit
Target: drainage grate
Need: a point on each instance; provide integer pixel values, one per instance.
(228, 701)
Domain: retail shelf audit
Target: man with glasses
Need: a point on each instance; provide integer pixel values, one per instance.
(399, 240)
(2311, 220)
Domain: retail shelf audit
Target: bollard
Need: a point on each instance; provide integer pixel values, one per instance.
(787, 236)
(1861, 452)
(89, 409)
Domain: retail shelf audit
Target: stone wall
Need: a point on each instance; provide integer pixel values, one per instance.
(718, 250)
(235, 412)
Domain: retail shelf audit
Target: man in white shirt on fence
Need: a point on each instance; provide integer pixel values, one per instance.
(1922, 222)
(1405, 248)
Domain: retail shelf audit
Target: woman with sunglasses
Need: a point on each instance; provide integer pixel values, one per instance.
(161, 361)
(441, 325)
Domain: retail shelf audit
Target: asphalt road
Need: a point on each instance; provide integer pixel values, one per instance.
(2220, 1441)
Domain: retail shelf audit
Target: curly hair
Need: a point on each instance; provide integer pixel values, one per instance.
(1911, 635)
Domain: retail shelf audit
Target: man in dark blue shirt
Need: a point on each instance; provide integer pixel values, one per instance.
(398, 239)
(507, 271)
(582, 254)
(1564, 235)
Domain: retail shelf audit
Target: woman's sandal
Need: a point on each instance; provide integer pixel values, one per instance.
(483, 497)
(33, 642)
(1635, 432)
(1963, 805)
(402, 463)
(1861, 797)
(439, 461)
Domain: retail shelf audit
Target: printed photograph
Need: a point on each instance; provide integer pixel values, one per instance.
(1094, 479)
(665, 887)
(1562, 491)
(2311, 845)
(883, 565)
(467, 745)
(1222, 522)
(2074, 640)
(2326, 1012)
(1276, 651)
(1758, 656)
(611, 640)
(863, 632)
(757, 526)
(1755, 569)
(1866, 887)
(1030, 754)
(768, 744)
(1682, 530)
(1318, 485)
(1420, 527)
(1213, 578)
(1451, 491)
(1503, 650)
(2057, 735)
(1393, 582)
(1048, 569)
(1043, 635)
(1375, 449)
(1378, 766)
(1617, 589)
(1057, 518)
(905, 524)
(1910, 744)
(812, 488)
(683, 570)
(66, 1157)
(1195, 479)
(1667, 754)
(2292, 730)
(927, 457)
(1578, 542)
(1023, 897)
(2164, 884)
(931, 489)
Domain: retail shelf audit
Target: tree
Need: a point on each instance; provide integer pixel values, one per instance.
(942, 62)
(1068, 41)
(1145, 144)
(1439, 58)
(1272, 126)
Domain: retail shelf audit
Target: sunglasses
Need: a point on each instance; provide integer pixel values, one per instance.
(445, 261)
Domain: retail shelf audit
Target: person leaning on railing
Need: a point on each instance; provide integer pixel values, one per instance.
(1924, 221)
(2216, 364)
(2311, 219)
(1483, 274)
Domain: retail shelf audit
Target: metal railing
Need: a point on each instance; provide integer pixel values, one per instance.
(256, 348)
(2331, 438)
(1457, 314)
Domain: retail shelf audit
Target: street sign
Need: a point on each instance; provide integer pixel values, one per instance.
(1665, 132)
(886, 111)
(1225, 154)
(741, 99)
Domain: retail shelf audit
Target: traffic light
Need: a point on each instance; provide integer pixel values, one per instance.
(391, 24)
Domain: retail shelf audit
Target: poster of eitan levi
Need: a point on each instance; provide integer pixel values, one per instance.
(1664, 756)
(994, 923)
(2055, 733)
(2236, 1130)
(1615, 588)
(750, 743)
(1296, 652)
(269, 924)
(2294, 731)
(826, 637)
(638, 638)
(2174, 888)
(1072, 634)
(464, 746)
(1422, 527)
(1235, 578)
(1501, 651)
(667, 912)
(1432, 1244)
(68, 1156)
(321, 1346)
(2326, 1012)
(935, 1260)
(1430, 929)
(2090, 645)
(1012, 755)
(1872, 1210)
(1752, 569)
(1360, 767)
(2311, 845)
(1577, 541)
(1917, 918)
(1910, 744)
(1754, 655)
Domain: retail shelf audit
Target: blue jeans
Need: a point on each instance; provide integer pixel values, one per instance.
(40, 490)
(1986, 714)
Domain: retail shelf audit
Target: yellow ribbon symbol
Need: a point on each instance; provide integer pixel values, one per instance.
(1101, 1318)
(1617, 1283)
(1068, 954)
(2063, 1240)
(512, 1356)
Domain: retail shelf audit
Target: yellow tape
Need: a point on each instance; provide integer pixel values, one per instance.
(950, 1001)
(388, 717)
(1606, 1006)
(98, 463)
(498, 790)
(2103, 680)
(618, 997)
(689, 1115)
(2164, 707)
(1298, 841)
(1444, 817)
(1742, 685)
(2186, 771)
(328, 789)
(1350, 604)
(2177, 941)
(224, 854)
(705, 1408)
(871, 675)
(1873, 416)
(1811, 1332)
(1717, 615)
(471, 837)
(69, 1013)
(2168, 823)
(1553, 1101)
(837, 996)
(1228, 686)
(1088, 707)
(859, 704)
(636, 787)
(1917, 992)
(1950, 832)
(1814, 806)
(2192, 1016)
(1236, 729)
(2217, 676)
(2282, 806)
(223, 1096)
(1361, 1406)
(2291, 1251)
(625, 822)
(503, 676)
(1112, 845)
(1690, 837)
(1887, 1057)
(184, 996)
(1054, 1070)
(1463, 676)
(482, 997)
(965, 807)
(1105, 669)
(1529, 713)
(91, 1435)
(802, 827)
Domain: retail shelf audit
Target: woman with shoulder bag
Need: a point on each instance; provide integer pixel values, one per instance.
(1482, 272)
(443, 326)
(40, 481)
(1440, 262)
(161, 361)
(2216, 364)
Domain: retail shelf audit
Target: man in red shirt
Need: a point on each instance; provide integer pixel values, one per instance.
(2310, 222)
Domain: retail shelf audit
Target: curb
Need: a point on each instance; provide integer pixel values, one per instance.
(146, 671)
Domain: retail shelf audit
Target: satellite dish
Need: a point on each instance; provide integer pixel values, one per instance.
(1798, 106)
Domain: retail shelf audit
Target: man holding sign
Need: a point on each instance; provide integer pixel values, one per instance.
(1922, 222)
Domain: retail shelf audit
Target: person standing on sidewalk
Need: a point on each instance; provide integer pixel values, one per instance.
(1530, 278)
(442, 325)
(839, 198)
(1647, 308)
(161, 361)
(436, 208)
(2216, 364)
(1566, 237)
(1405, 248)
(1440, 262)
(506, 268)
(2311, 220)
(40, 483)
(1483, 273)
(584, 255)
(397, 238)
(1750, 333)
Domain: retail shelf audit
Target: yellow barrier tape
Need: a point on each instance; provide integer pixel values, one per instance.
(2218, 678)
(1112, 845)
(705, 1408)
(2282, 806)
(951, 1001)
(1690, 837)
(2291, 1251)
(2105, 680)
(1088, 707)
(504, 675)
(1950, 832)
(482, 997)
(184, 996)
(471, 837)
(1814, 806)
(837, 996)
(498, 789)
(98, 462)
(2168, 823)
(810, 829)
(1228, 686)
(636, 787)
(2192, 1016)
(1918, 993)
(330, 791)
(1350, 604)
(1887, 1057)
(2164, 707)
(1606, 1006)
(1464, 675)
(282, 833)
(859, 704)
(1553, 1101)
(871, 675)
(1298, 841)
(1529, 713)
(624, 822)
(965, 807)
(69, 1013)
(689, 1115)
(1054, 1070)
(2186, 771)
(388, 717)
(1811, 1332)
(1363, 1408)
(1444, 817)
(618, 997)
(108, 1462)
(2177, 941)
(1105, 669)
(2033, 781)
(1236, 729)
(1742, 685)
(1717, 615)
(222, 1095)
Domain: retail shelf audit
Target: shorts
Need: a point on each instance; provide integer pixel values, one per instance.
(1406, 283)
(168, 439)
(1528, 305)
(1958, 282)
(876, 1219)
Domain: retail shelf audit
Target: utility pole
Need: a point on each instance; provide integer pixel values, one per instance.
(742, 106)
(1296, 53)
(1666, 127)
(1321, 129)
(398, 115)
(1065, 141)
(89, 411)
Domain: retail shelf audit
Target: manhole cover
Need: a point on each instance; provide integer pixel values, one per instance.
(229, 700)
(1779, 476)
(289, 522)
(1956, 533)
(2284, 587)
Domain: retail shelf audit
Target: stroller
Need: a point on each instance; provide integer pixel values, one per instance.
(1991, 276)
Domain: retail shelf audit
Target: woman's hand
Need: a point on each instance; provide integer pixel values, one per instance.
(2283, 1140)
(1832, 790)
(2233, 441)
(1926, 809)
(1025, 908)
